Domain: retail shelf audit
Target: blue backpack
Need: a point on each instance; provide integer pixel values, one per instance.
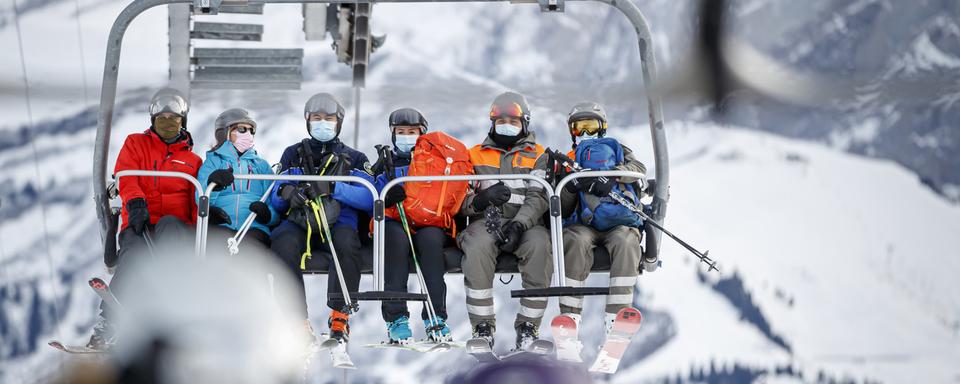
(603, 213)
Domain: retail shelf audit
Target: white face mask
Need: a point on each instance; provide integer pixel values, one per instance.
(323, 130)
(507, 129)
(405, 143)
(585, 137)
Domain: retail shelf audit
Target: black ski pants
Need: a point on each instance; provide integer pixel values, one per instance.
(429, 243)
(289, 241)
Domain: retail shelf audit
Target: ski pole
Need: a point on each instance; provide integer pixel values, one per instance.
(567, 162)
(350, 306)
(492, 216)
(149, 240)
(431, 310)
(233, 243)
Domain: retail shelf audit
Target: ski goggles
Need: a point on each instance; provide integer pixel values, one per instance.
(322, 107)
(168, 103)
(408, 117)
(510, 109)
(589, 127)
(244, 129)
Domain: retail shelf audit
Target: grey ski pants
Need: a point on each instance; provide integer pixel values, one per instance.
(479, 265)
(623, 244)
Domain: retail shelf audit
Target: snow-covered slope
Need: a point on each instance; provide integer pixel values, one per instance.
(832, 264)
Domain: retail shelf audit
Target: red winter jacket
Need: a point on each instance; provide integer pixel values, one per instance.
(164, 195)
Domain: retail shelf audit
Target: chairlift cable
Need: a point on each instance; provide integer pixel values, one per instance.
(36, 168)
(83, 64)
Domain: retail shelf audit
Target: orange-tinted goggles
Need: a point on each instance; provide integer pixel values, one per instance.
(590, 127)
(512, 110)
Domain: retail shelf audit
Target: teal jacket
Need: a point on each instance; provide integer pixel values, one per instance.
(235, 200)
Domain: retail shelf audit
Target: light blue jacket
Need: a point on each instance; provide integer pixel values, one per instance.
(235, 200)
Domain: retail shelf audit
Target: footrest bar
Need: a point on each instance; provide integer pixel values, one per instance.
(381, 296)
(560, 291)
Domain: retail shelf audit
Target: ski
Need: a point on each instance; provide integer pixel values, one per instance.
(537, 349)
(423, 346)
(103, 290)
(626, 324)
(76, 349)
(564, 329)
(480, 349)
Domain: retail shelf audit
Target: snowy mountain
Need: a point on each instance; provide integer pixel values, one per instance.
(835, 266)
(906, 56)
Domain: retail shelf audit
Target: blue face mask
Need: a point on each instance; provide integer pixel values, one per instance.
(323, 130)
(405, 143)
(507, 129)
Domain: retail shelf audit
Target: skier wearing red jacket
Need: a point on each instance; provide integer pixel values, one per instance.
(162, 208)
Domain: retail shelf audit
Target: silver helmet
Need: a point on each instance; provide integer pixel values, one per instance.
(169, 100)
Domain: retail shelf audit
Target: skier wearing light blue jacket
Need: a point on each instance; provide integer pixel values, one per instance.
(230, 207)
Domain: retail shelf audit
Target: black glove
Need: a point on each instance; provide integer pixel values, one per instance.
(222, 178)
(262, 211)
(296, 196)
(512, 232)
(497, 195)
(601, 186)
(394, 195)
(578, 185)
(138, 216)
(219, 216)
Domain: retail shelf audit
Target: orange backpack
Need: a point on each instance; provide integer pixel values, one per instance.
(434, 203)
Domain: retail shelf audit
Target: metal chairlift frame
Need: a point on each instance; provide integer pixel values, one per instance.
(108, 93)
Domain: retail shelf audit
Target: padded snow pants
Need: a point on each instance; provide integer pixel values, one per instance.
(479, 266)
(623, 244)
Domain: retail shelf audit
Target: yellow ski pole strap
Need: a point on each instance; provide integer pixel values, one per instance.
(306, 255)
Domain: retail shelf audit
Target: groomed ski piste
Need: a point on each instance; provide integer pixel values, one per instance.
(833, 264)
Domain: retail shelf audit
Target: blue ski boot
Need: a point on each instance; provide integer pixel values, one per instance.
(439, 332)
(398, 331)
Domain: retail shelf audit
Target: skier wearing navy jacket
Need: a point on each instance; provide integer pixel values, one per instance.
(295, 201)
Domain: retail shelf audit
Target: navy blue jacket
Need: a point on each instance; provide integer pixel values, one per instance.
(351, 196)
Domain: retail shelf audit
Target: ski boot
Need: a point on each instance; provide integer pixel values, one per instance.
(438, 333)
(484, 330)
(104, 335)
(527, 333)
(398, 331)
(339, 324)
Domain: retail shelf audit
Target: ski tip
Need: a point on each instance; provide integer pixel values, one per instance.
(56, 344)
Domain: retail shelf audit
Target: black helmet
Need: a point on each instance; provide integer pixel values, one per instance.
(326, 104)
(169, 100)
(230, 117)
(510, 104)
(587, 111)
(408, 116)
